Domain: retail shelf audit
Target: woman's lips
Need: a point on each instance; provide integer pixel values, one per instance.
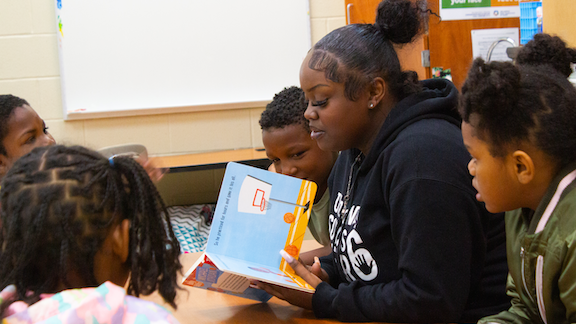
(315, 134)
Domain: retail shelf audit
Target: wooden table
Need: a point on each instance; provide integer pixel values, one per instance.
(210, 160)
(197, 305)
(203, 306)
(196, 178)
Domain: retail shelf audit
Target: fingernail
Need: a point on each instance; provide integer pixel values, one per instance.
(8, 291)
(286, 256)
(316, 260)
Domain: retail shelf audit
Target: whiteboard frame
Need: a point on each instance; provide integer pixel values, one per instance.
(73, 112)
(164, 110)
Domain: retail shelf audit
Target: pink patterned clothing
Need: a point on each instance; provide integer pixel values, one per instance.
(107, 303)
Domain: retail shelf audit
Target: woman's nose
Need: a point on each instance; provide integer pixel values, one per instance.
(310, 113)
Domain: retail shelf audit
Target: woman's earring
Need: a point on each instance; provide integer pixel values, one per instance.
(371, 105)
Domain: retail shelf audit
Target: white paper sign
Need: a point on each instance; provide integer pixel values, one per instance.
(482, 39)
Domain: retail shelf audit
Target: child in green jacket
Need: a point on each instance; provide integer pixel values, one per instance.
(519, 125)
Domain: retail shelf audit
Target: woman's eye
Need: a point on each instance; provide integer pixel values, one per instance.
(45, 129)
(320, 103)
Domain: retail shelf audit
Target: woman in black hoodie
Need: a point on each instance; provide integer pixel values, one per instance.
(410, 243)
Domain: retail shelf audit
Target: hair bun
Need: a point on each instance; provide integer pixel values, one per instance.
(545, 49)
(400, 21)
(572, 54)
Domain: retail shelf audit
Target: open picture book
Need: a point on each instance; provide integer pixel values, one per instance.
(258, 213)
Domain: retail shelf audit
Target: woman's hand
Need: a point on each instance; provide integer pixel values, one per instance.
(311, 275)
(295, 297)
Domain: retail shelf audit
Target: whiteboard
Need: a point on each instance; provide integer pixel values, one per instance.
(129, 57)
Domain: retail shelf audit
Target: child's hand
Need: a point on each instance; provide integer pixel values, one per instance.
(154, 173)
(317, 270)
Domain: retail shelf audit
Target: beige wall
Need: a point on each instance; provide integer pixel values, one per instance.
(558, 19)
(29, 69)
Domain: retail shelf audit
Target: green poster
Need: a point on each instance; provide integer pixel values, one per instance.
(451, 4)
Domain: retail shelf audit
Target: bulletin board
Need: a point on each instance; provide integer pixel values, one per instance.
(478, 9)
(132, 57)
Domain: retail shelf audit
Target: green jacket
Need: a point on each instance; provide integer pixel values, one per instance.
(541, 250)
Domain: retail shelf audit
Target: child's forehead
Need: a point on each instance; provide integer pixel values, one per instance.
(19, 119)
(20, 116)
(294, 132)
(475, 126)
(286, 138)
(471, 136)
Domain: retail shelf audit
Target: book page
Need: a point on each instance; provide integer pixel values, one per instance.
(259, 213)
(260, 272)
(206, 275)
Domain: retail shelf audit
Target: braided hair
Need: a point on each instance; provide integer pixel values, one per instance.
(7, 105)
(512, 104)
(58, 206)
(356, 54)
(287, 108)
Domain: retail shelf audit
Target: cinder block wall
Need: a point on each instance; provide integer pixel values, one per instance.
(29, 69)
(558, 19)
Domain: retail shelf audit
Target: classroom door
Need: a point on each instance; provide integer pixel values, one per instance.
(449, 42)
(410, 55)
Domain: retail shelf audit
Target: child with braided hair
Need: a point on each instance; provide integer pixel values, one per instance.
(72, 219)
(519, 125)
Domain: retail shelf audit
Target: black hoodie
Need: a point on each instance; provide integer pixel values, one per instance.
(415, 245)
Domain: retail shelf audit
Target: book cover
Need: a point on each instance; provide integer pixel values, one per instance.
(258, 213)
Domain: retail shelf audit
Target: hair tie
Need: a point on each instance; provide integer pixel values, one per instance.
(111, 160)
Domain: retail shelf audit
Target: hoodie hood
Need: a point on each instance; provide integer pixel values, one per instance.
(438, 99)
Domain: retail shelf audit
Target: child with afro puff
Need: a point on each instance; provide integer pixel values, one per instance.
(519, 127)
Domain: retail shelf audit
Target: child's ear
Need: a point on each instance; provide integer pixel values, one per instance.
(523, 166)
(121, 240)
(377, 91)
